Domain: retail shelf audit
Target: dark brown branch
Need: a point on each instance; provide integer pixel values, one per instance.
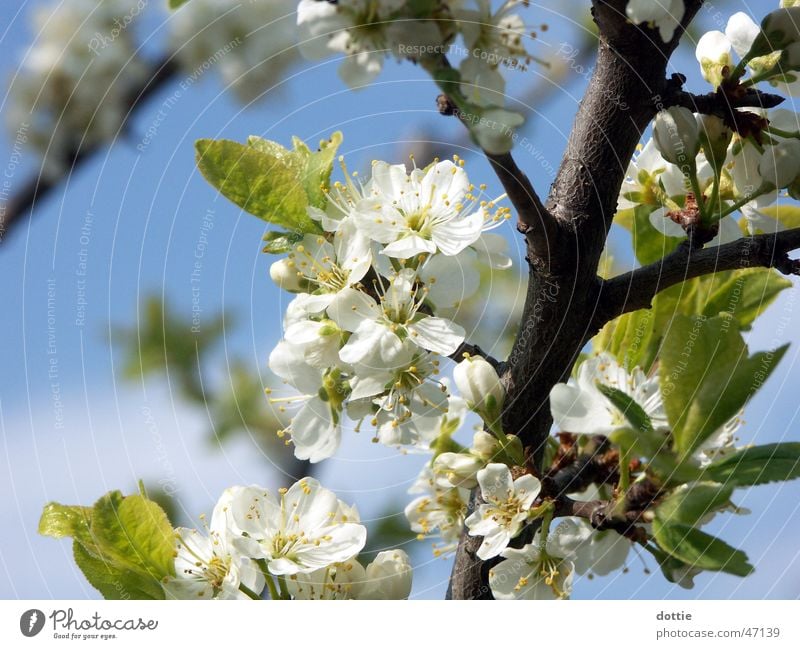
(533, 219)
(37, 188)
(637, 288)
(719, 102)
(474, 350)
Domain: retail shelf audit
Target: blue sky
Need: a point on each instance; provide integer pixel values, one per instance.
(135, 220)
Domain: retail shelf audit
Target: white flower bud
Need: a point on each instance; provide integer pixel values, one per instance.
(484, 445)
(790, 60)
(713, 52)
(780, 28)
(285, 276)
(480, 386)
(780, 164)
(388, 577)
(677, 136)
(460, 469)
(716, 137)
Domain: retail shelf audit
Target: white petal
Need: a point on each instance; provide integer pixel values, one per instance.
(579, 411)
(451, 237)
(409, 246)
(437, 335)
(665, 225)
(351, 307)
(741, 32)
(314, 434)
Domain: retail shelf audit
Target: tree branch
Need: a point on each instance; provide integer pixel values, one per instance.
(37, 188)
(533, 218)
(636, 289)
(474, 350)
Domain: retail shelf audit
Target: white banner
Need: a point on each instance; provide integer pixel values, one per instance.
(354, 625)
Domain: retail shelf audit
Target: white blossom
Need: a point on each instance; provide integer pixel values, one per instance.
(365, 31)
(387, 577)
(299, 531)
(579, 407)
(529, 573)
(505, 508)
(591, 551)
(438, 512)
(72, 89)
(422, 212)
(208, 566)
(381, 327)
(249, 44)
(337, 581)
(650, 179)
(664, 15)
(780, 164)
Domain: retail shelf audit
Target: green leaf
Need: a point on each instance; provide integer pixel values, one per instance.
(649, 244)
(124, 545)
(632, 339)
(707, 376)
(689, 505)
(279, 243)
(59, 520)
(265, 184)
(744, 294)
(134, 531)
(110, 581)
(631, 410)
(175, 4)
(758, 465)
(700, 550)
(318, 168)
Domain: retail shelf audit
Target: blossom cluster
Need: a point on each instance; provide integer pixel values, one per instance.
(75, 87)
(301, 543)
(72, 88)
(367, 31)
(700, 157)
(492, 39)
(362, 337)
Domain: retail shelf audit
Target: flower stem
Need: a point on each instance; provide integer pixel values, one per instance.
(284, 590)
(624, 471)
(782, 133)
(544, 531)
(698, 194)
(273, 591)
(250, 593)
(743, 201)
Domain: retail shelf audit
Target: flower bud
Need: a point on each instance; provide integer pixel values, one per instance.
(484, 446)
(677, 136)
(780, 164)
(713, 52)
(283, 273)
(715, 137)
(790, 59)
(779, 29)
(480, 386)
(460, 469)
(388, 577)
